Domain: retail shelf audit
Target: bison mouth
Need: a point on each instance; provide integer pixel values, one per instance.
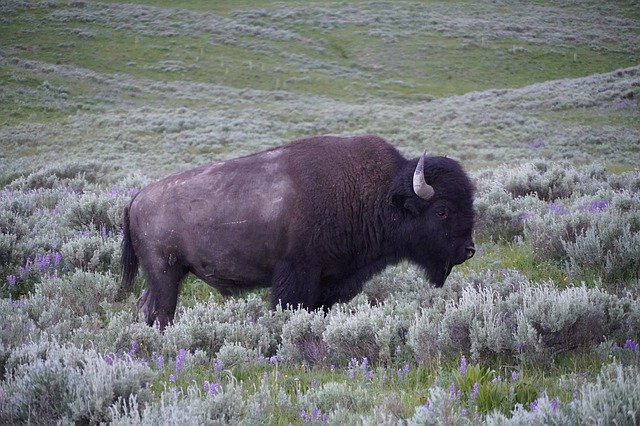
(438, 275)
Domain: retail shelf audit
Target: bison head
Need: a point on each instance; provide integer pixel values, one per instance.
(435, 199)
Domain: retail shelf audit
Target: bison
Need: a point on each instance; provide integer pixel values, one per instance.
(313, 220)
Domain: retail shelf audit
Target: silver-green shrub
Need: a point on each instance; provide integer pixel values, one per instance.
(334, 395)
(372, 332)
(514, 316)
(550, 320)
(198, 404)
(16, 329)
(48, 383)
(614, 398)
(598, 235)
(302, 337)
(209, 325)
(234, 355)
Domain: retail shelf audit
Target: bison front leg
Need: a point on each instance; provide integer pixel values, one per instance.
(295, 285)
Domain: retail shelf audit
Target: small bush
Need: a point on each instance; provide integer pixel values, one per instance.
(196, 405)
(372, 332)
(302, 339)
(209, 325)
(49, 383)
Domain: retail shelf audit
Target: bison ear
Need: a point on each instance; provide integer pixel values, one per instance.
(405, 203)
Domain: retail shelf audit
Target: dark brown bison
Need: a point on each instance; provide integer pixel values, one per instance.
(313, 220)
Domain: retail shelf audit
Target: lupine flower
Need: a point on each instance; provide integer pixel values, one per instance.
(534, 405)
(109, 358)
(538, 143)
(597, 205)
(557, 209)
(474, 391)
(463, 413)
(172, 378)
(314, 416)
(11, 280)
(134, 348)
(514, 375)
(212, 388)
(182, 355)
(554, 405)
(217, 366)
(452, 390)
(632, 345)
(463, 365)
(158, 359)
(404, 371)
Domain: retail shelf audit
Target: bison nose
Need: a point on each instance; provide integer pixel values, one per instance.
(470, 251)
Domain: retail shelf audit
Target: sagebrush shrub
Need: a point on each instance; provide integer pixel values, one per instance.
(196, 405)
(333, 395)
(372, 332)
(49, 383)
(302, 337)
(209, 325)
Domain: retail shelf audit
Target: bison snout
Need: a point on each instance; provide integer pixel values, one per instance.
(470, 250)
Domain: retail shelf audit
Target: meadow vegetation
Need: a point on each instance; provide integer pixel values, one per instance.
(539, 100)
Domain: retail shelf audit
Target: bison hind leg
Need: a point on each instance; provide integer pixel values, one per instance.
(159, 301)
(295, 285)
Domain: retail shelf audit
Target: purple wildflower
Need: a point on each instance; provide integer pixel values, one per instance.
(596, 206)
(631, 345)
(315, 415)
(158, 359)
(554, 405)
(515, 375)
(313, 384)
(11, 280)
(474, 391)
(182, 355)
(557, 209)
(364, 366)
(134, 348)
(218, 365)
(109, 358)
(538, 143)
(172, 378)
(404, 371)
(212, 388)
(627, 103)
(463, 365)
(452, 390)
(534, 405)
(42, 261)
(57, 258)
(463, 413)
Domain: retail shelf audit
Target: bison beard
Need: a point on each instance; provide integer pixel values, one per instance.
(313, 220)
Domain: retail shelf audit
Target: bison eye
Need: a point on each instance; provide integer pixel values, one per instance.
(442, 213)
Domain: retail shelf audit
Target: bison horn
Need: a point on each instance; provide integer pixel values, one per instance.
(420, 186)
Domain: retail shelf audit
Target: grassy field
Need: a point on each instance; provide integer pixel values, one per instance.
(539, 101)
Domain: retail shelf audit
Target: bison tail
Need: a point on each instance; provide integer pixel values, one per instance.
(129, 260)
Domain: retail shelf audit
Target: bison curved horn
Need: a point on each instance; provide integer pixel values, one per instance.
(420, 186)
